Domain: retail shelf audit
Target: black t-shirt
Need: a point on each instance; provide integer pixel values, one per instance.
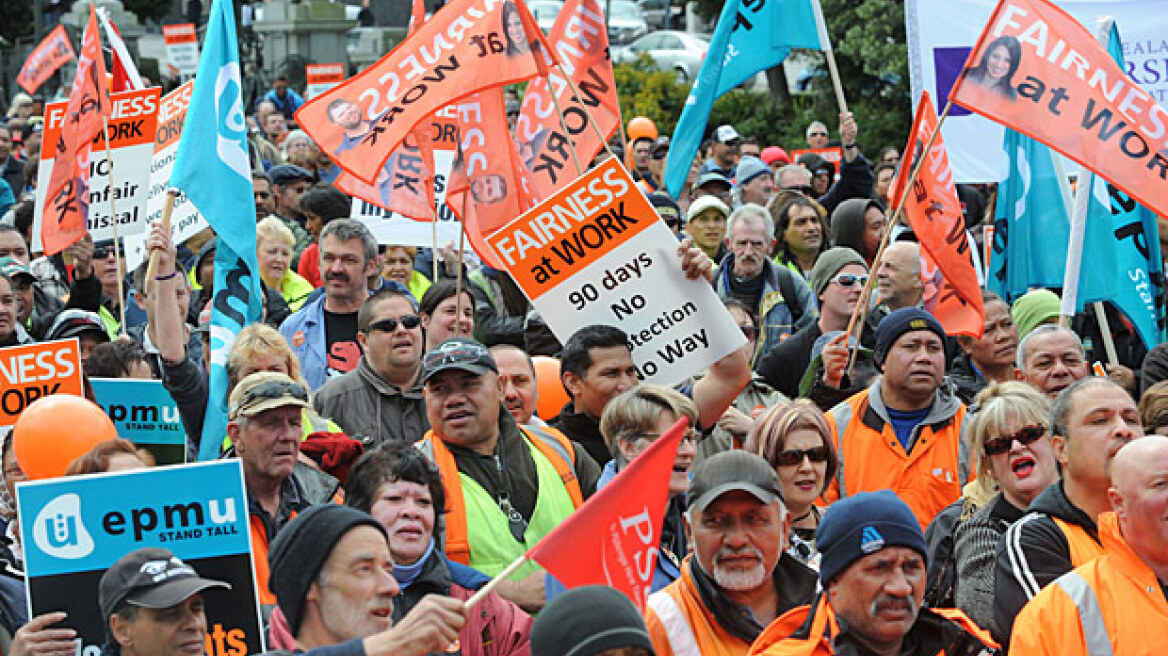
(340, 333)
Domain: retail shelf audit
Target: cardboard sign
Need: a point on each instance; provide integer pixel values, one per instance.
(321, 78)
(185, 220)
(75, 528)
(144, 413)
(182, 49)
(597, 253)
(50, 54)
(132, 126)
(32, 371)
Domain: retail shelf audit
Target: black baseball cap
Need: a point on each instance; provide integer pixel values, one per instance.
(460, 353)
(150, 577)
(733, 471)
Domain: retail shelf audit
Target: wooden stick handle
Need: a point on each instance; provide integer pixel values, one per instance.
(835, 82)
(490, 585)
(152, 267)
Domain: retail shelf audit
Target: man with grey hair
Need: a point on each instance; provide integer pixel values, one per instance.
(817, 135)
(1090, 422)
(779, 297)
(1050, 358)
(793, 177)
(323, 333)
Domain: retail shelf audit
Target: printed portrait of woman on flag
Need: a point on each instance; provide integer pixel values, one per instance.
(513, 30)
(998, 64)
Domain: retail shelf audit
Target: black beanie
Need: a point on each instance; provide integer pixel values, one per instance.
(900, 322)
(300, 550)
(587, 620)
(862, 524)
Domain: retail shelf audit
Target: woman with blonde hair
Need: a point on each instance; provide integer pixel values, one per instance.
(274, 246)
(795, 439)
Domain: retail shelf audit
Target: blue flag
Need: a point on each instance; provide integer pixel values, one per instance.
(754, 36)
(213, 169)
(1130, 254)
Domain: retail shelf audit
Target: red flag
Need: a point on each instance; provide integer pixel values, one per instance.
(951, 292)
(1037, 70)
(124, 72)
(49, 55)
(488, 185)
(580, 41)
(67, 204)
(469, 46)
(613, 538)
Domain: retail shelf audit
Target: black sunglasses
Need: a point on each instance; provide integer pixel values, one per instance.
(803, 189)
(1025, 435)
(274, 389)
(795, 456)
(409, 322)
(102, 252)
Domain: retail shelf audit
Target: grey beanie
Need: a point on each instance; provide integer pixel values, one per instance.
(587, 620)
(829, 263)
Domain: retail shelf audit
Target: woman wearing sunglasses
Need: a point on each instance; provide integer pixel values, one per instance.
(1010, 438)
(794, 438)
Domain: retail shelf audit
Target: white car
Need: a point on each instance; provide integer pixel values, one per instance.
(626, 21)
(679, 52)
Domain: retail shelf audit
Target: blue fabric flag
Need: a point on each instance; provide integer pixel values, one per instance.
(1131, 256)
(753, 36)
(213, 170)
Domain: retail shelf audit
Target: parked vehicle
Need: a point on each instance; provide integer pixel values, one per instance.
(656, 11)
(626, 21)
(670, 50)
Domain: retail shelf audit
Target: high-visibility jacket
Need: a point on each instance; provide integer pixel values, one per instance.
(1112, 605)
(927, 477)
(809, 631)
(477, 530)
(680, 624)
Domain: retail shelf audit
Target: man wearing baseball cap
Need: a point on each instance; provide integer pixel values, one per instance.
(739, 577)
(873, 576)
(493, 471)
(723, 151)
(903, 433)
(152, 603)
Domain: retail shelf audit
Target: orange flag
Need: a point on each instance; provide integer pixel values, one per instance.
(580, 41)
(50, 54)
(1037, 70)
(488, 186)
(468, 46)
(67, 202)
(613, 538)
(951, 292)
(405, 184)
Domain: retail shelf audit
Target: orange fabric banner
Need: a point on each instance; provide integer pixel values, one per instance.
(488, 186)
(68, 194)
(1037, 70)
(580, 41)
(613, 539)
(951, 293)
(50, 54)
(468, 46)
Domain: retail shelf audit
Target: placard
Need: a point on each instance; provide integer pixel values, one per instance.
(182, 49)
(144, 413)
(185, 220)
(74, 528)
(833, 155)
(322, 77)
(132, 126)
(32, 371)
(597, 253)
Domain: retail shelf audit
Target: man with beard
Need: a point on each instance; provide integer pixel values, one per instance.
(780, 298)
(348, 115)
(873, 576)
(739, 577)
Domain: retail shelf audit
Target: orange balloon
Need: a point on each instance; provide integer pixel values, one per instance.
(56, 430)
(552, 395)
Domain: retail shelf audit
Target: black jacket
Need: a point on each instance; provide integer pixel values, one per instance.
(783, 364)
(967, 380)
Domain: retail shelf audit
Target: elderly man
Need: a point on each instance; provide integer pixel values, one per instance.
(1110, 604)
(332, 575)
(739, 577)
(517, 383)
(903, 433)
(264, 423)
(898, 278)
(756, 183)
(493, 471)
(323, 333)
(1091, 421)
(381, 400)
(817, 135)
(779, 297)
(1051, 358)
(873, 576)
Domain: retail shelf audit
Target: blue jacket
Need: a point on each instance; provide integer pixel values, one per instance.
(304, 331)
(288, 106)
(776, 320)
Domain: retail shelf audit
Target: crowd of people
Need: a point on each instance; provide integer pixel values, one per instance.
(937, 495)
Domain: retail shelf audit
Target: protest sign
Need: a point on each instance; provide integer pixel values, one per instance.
(321, 78)
(30, 371)
(185, 220)
(74, 528)
(833, 155)
(144, 413)
(50, 54)
(182, 49)
(132, 126)
(597, 253)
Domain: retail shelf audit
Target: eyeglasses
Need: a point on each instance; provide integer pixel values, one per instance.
(849, 279)
(792, 457)
(274, 389)
(803, 189)
(409, 322)
(1026, 435)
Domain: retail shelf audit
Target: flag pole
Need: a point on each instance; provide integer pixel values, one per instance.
(1105, 330)
(118, 255)
(458, 279)
(152, 266)
(835, 82)
(587, 114)
(564, 127)
(860, 314)
(490, 585)
(434, 244)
